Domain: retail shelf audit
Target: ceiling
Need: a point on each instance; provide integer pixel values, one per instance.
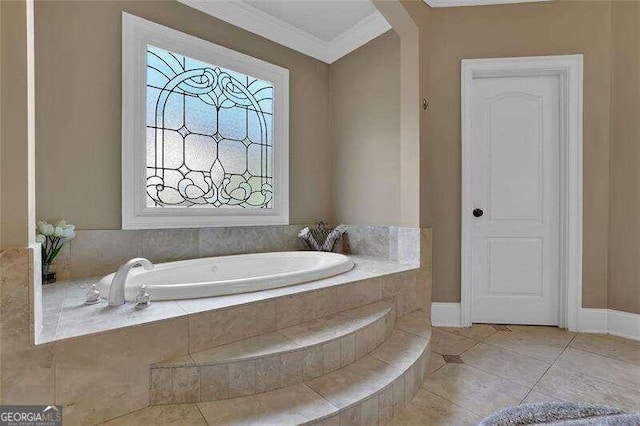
(324, 29)
(323, 19)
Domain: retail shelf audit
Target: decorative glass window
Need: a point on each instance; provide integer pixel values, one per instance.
(205, 133)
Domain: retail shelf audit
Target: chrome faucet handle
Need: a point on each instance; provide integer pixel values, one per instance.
(92, 296)
(143, 298)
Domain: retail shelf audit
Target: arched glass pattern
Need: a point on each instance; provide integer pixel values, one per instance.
(209, 137)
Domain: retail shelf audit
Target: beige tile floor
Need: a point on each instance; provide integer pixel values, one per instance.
(476, 371)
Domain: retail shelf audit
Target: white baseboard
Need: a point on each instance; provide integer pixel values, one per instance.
(609, 321)
(445, 314)
(605, 321)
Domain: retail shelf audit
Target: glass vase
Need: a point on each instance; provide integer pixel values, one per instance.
(48, 274)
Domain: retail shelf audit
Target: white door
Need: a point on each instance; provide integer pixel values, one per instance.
(514, 162)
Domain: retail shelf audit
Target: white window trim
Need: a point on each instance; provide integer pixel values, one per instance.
(137, 33)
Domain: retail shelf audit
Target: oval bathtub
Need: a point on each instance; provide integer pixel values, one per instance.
(219, 276)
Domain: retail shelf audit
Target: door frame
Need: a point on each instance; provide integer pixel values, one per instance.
(569, 69)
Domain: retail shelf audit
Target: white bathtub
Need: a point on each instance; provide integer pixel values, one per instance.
(219, 276)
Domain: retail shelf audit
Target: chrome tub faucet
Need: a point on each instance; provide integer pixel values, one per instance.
(116, 291)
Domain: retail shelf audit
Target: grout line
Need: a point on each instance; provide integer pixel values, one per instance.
(549, 368)
(202, 415)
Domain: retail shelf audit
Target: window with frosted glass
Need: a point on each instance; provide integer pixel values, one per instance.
(209, 135)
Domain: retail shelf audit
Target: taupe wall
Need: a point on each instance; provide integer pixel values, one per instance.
(624, 221)
(365, 110)
(547, 28)
(16, 134)
(78, 77)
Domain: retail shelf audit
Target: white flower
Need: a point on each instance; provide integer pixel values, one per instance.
(40, 238)
(47, 230)
(68, 233)
(41, 225)
(61, 223)
(58, 231)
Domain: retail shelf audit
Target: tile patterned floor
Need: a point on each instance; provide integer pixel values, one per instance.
(479, 370)
(476, 371)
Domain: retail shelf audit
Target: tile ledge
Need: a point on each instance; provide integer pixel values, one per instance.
(100, 319)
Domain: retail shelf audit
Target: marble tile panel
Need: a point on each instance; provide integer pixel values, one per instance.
(214, 382)
(102, 252)
(299, 308)
(541, 346)
(291, 368)
(351, 416)
(166, 245)
(291, 239)
(161, 415)
(313, 362)
(181, 361)
(359, 293)
(331, 360)
(398, 394)
(385, 405)
(186, 384)
(427, 408)
(574, 386)
(267, 374)
(449, 344)
(402, 349)
(475, 332)
(26, 371)
(410, 384)
(123, 376)
(509, 365)
(408, 245)
(475, 390)
(77, 317)
(215, 328)
(246, 349)
(224, 241)
(347, 350)
(329, 421)
(365, 341)
(619, 372)
(242, 378)
(417, 323)
(354, 382)
(368, 240)
(161, 386)
(370, 411)
(393, 243)
(27, 374)
(555, 335)
(293, 405)
(610, 346)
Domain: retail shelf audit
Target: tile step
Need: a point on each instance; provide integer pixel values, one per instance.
(365, 392)
(274, 360)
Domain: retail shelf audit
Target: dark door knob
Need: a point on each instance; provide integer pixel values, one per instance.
(477, 212)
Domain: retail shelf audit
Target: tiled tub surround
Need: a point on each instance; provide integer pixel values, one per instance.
(107, 373)
(273, 360)
(100, 252)
(371, 280)
(368, 391)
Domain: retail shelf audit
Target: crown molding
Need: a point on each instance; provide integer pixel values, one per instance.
(363, 32)
(457, 3)
(247, 17)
